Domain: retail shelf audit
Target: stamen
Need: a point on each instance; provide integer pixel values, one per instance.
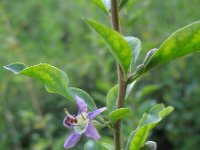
(83, 116)
(65, 110)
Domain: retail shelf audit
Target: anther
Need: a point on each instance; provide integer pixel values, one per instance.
(75, 120)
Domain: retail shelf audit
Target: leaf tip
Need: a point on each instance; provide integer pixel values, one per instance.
(15, 68)
(171, 108)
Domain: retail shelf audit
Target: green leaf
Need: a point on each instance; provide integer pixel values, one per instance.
(103, 5)
(119, 47)
(86, 97)
(119, 114)
(182, 42)
(55, 80)
(130, 139)
(140, 137)
(135, 44)
(111, 97)
(122, 3)
(146, 124)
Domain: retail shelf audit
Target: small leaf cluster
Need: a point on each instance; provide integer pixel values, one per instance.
(125, 50)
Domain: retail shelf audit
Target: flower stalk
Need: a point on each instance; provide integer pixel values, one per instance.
(121, 76)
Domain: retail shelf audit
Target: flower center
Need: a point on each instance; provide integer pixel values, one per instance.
(79, 123)
(82, 122)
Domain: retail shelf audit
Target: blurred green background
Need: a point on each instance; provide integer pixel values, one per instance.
(35, 31)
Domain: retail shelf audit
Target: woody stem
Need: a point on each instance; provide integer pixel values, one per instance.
(121, 76)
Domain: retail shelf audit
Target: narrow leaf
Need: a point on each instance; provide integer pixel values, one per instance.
(130, 139)
(182, 42)
(119, 114)
(119, 47)
(55, 80)
(146, 124)
(140, 137)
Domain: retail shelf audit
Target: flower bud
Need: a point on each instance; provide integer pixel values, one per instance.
(150, 145)
(140, 69)
(148, 55)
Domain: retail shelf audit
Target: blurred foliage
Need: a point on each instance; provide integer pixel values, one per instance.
(53, 32)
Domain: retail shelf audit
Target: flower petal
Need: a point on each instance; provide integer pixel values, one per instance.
(82, 107)
(64, 122)
(93, 114)
(92, 132)
(72, 140)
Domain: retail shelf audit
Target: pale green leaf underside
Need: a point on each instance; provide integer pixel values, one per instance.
(15, 67)
(107, 4)
(146, 124)
(118, 45)
(55, 80)
(119, 114)
(182, 42)
(135, 45)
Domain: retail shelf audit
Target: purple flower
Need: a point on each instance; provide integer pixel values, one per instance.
(82, 123)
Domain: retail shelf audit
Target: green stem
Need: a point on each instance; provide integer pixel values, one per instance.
(121, 76)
